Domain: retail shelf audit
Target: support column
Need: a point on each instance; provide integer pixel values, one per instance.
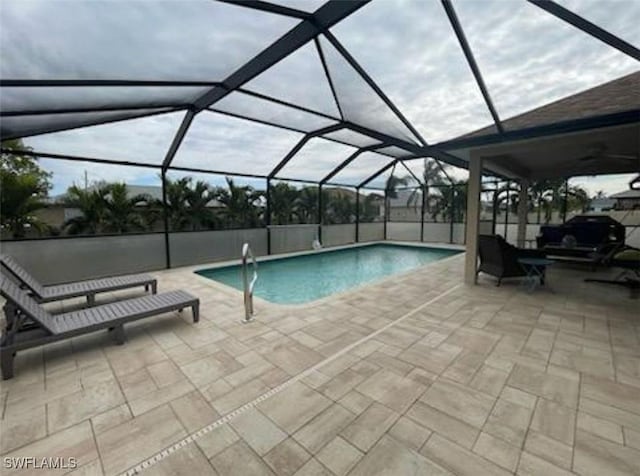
(320, 212)
(165, 216)
(506, 212)
(357, 214)
(473, 218)
(386, 211)
(523, 208)
(267, 217)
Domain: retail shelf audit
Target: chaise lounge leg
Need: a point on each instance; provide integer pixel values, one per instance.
(6, 362)
(154, 287)
(118, 334)
(91, 299)
(499, 281)
(195, 309)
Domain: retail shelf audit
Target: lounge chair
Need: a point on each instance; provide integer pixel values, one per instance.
(500, 259)
(29, 325)
(78, 288)
(626, 258)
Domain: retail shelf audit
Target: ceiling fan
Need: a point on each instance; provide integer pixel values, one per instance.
(598, 152)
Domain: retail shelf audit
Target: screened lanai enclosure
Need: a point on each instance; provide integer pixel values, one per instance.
(338, 121)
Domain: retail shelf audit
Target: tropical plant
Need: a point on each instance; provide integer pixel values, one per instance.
(19, 200)
(340, 208)
(433, 183)
(282, 198)
(24, 187)
(123, 214)
(199, 198)
(242, 205)
(454, 201)
(188, 205)
(370, 207)
(91, 205)
(306, 205)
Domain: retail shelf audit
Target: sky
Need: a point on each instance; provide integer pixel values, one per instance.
(528, 58)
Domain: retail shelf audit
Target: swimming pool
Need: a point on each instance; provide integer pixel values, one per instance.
(304, 278)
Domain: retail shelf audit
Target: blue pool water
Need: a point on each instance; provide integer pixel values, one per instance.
(301, 279)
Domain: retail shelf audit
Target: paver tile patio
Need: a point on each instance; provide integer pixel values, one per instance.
(483, 380)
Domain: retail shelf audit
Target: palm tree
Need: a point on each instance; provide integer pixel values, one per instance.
(432, 176)
(369, 208)
(453, 203)
(340, 209)
(282, 198)
(21, 197)
(176, 207)
(123, 213)
(306, 205)
(24, 185)
(242, 205)
(189, 205)
(199, 214)
(92, 207)
(391, 191)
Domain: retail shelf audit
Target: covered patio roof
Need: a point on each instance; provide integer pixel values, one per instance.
(593, 132)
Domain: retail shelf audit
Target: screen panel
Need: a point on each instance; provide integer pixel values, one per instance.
(359, 102)
(139, 40)
(298, 79)
(411, 51)
(41, 99)
(263, 110)
(351, 137)
(143, 140)
(618, 17)
(361, 168)
(530, 58)
(316, 159)
(222, 143)
(32, 124)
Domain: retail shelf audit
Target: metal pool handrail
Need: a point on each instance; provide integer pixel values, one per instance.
(248, 286)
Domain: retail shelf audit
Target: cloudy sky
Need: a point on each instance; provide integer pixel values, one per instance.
(528, 58)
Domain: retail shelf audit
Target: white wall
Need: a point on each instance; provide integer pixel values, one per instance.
(437, 232)
(287, 238)
(203, 246)
(69, 259)
(335, 235)
(370, 232)
(399, 231)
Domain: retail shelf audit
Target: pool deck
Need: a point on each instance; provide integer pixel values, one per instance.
(417, 374)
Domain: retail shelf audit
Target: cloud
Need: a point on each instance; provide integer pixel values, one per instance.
(608, 184)
(527, 57)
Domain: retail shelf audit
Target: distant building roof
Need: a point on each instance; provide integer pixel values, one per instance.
(622, 94)
(602, 202)
(631, 193)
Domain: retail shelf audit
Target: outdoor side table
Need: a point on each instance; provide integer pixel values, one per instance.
(535, 269)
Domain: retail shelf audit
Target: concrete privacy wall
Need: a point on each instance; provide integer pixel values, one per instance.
(370, 232)
(433, 232)
(70, 259)
(204, 246)
(335, 235)
(398, 231)
(459, 230)
(288, 238)
(437, 232)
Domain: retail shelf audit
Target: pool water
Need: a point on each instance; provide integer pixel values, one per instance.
(300, 279)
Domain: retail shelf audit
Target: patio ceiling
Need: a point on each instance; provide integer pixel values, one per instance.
(591, 133)
(268, 90)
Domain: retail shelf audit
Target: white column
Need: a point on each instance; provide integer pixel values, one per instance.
(522, 212)
(473, 217)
